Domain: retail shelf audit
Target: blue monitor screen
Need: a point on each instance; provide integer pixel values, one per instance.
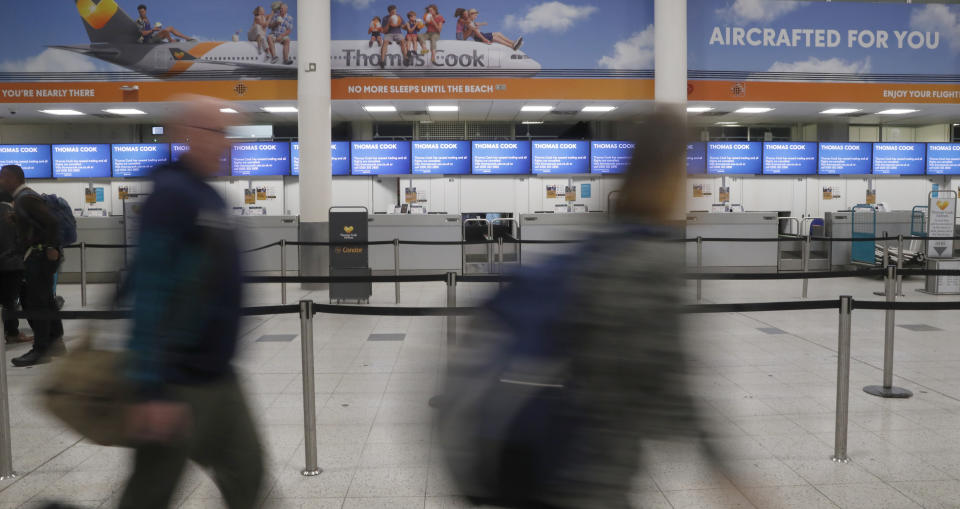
(734, 157)
(611, 157)
(34, 159)
(845, 159)
(136, 160)
(789, 158)
(339, 155)
(560, 157)
(696, 158)
(441, 158)
(943, 158)
(899, 158)
(178, 149)
(81, 161)
(501, 157)
(260, 159)
(380, 157)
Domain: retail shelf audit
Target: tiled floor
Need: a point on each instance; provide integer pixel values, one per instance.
(766, 380)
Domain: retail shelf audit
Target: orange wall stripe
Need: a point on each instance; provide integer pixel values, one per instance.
(779, 91)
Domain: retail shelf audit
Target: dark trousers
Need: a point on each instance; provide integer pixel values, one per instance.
(224, 441)
(37, 295)
(11, 284)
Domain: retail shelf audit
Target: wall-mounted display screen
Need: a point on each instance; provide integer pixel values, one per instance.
(734, 157)
(899, 158)
(380, 158)
(789, 158)
(696, 158)
(501, 157)
(260, 159)
(34, 159)
(845, 159)
(943, 158)
(339, 155)
(138, 159)
(441, 157)
(560, 157)
(81, 161)
(611, 157)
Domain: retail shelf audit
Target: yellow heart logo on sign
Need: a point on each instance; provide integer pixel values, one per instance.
(348, 229)
(943, 205)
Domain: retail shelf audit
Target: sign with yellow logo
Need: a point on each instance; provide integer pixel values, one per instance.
(348, 229)
(871, 196)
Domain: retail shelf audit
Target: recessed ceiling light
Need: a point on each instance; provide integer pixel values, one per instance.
(727, 123)
(896, 111)
(839, 111)
(280, 109)
(532, 122)
(380, 109)
(228, 110)
(536, 107)
(698, 109)
(598, 109)
(753, 110)
(438, 108)
(63, 112)
(125, 111)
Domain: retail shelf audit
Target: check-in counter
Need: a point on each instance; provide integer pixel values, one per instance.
(258, 231)
(103, 264)
(734, 256)
(416, 227)
(547, 226)
(840, 225)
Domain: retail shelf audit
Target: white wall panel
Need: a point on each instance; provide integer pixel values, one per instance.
(905, 134)
(934, 133)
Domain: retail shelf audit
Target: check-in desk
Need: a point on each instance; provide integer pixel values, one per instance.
(734, 256)
(556, 227)
(416, 227)
(840, 225)
(103, 264)
(258, 231)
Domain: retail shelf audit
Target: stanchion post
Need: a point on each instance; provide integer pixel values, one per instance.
(6, 449)
(83, 274)
(451, 303)
(309, 389)
(900, 265)
(805, 261)
(699, 267)
(887, 390)
(843, 381)
(396, 268)
(886, 250)
(283, 271)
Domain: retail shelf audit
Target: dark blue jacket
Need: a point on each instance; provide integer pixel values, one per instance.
(186, 286)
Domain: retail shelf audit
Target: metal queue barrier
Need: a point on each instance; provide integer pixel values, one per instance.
(308, 309)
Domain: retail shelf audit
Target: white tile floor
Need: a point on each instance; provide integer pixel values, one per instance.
(770, 399)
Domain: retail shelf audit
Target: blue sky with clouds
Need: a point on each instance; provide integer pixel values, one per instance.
(560, 34)
(704, 15)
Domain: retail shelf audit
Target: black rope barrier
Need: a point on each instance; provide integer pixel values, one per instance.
(760, 306)
(721, 276)
(425, 278)
(261, 248)
(908, 306)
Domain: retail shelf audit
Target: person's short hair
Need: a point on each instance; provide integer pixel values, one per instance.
(391, 8)
(434, 7)
(142, 6)
(15, 170)
(257, 9)
(275, 6)
(411, 13)
(376, 18)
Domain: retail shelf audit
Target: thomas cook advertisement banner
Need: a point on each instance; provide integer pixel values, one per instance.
(114, 51)
(494, 49)
(790, 50)
(130, 50)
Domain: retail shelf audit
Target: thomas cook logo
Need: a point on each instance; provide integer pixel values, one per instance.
(97, 15)
(942, 205)
(348, 229)
(179, 54)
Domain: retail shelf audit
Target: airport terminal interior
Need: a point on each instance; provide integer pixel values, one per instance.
(817, 231)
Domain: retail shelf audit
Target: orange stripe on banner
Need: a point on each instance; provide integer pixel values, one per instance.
(493, 88)
(823, 92)
(146, 91)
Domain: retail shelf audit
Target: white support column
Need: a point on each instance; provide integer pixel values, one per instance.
(670, 26)
(316, 180)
